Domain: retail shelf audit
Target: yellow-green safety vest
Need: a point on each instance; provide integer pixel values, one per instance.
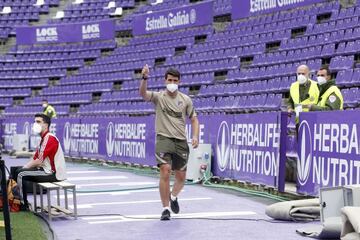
(50, 111)
(313, 94)
(327, 93)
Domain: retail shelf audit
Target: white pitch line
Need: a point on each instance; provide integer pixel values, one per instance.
(95, 178)
(116, 184)
(62, 196)
(91, 205)
(81, 172)
(122, 219)
(156, 217)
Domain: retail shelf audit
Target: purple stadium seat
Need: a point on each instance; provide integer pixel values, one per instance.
(344, 77)
(355, 78)
(270, 73)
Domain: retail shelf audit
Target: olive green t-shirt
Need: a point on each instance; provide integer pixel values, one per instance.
(171, 112)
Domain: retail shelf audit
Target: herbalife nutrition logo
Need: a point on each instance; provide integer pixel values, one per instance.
(67, 137)
(223, 146)
(304, 160)
(110, 139)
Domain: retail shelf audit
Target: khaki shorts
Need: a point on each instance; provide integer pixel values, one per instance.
(172, 151)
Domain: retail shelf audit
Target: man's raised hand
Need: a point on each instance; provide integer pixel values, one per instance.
(145, 71)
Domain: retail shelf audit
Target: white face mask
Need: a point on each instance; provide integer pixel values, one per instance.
(321, 80)
(301, 79)
(44, 105)
(172, 87)
(37, 128)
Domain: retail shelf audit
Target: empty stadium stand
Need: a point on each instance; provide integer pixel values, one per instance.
(246, 67)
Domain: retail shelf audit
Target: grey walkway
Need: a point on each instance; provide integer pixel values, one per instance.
(227, 215)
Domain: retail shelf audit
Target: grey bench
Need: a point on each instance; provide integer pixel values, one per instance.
(56, 210)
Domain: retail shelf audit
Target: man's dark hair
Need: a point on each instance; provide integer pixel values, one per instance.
(44, 117)
(172, 72)
(45, 100)
(328, 72)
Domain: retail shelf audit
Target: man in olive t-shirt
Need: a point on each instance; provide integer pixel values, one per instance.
(171, 150)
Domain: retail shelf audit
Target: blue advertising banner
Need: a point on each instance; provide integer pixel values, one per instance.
(12, 126)
(130, 139)
(247, 147)
(75, 32)
(183, 17)
(247, 8)
(204, 130)
(88, 138)
(68, 133)
(328, 153)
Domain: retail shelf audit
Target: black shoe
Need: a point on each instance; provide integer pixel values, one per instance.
(24, 208)
(165, 215)
(174, 206)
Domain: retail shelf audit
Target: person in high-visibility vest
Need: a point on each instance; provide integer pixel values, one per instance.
(330, 95)
(304, 92)
(48, 109)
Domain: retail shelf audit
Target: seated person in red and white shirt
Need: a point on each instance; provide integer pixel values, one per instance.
(48, 163)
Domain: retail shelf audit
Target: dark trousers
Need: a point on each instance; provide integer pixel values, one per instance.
(24, 175)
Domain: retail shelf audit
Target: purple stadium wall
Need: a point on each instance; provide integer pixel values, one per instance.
(254, 156)
(328, 144)
(328, 150)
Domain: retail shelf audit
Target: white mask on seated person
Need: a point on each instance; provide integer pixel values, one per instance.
(37, 128)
